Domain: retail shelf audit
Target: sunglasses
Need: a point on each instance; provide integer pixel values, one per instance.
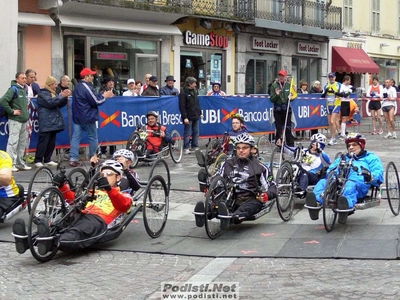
(107, 174)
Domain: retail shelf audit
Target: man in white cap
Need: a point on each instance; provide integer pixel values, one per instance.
(131, 88)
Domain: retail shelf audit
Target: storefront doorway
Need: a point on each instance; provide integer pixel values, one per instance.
(260, 73)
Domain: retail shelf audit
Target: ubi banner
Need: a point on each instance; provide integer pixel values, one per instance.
(119, 116)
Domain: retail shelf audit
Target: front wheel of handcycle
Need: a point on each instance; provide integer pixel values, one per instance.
(160, 167)
(218, 162)
(285, 200)
(50, 207)
(330, 198)
(264, 147)
(392, 187)
(78, 180)
(217, 192)
(176, 149)
(132, 144)
(42, 178)
(213, 150)
(155, 206)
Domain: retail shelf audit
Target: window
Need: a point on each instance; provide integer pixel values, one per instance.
(376, 16)
(260, 73)
(348, 14)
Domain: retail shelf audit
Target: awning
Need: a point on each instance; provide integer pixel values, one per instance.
(103, 24)
(34, 19)
(352, 60)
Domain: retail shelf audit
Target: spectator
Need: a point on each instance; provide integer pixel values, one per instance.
(388, 105)
(144, 86)
(216, 89)
(51, 120)
(15, 104)
(393, 83)
(375, 93)
(85, 113)
(333, 106)
(33, 88)
(138, 87)
(280, 97)
(131, 88)
(152, 87)
(89, 225)
(108, 85)
(169, 88)
(316, 88)
(190, 109)
(10, 192)
(303, 89)
(64, 84)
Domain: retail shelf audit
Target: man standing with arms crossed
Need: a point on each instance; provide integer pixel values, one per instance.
(15, 104)
(85, 114)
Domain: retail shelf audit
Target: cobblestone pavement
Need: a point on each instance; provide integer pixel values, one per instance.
(128, 275)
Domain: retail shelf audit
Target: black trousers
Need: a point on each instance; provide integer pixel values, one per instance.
(86, 231)
(45, 146)
(280, 123)
(248, 208)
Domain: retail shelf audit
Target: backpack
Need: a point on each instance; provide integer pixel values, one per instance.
(2, 111)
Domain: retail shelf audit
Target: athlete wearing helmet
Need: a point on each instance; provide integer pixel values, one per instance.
(216, 89)
(369, 172)
(157, 134)
(90, 225)
(255, 177)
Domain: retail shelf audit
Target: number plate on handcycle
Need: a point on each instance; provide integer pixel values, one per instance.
(143, 135)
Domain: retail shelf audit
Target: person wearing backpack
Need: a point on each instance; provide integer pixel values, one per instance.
(15, 105)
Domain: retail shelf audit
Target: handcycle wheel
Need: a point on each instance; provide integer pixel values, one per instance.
(330, 198)
(132, 144)
(264, 147)
(218, 162)
(160, 167)
(215, 194)
(155, 206)
(274, 163)
(213, 150)
(285, 200)
(392, 188)
(48, 205)
(176, 150)
(78, 179)
(42, 178)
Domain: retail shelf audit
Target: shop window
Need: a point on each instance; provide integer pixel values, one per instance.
(305, 69)
(260, 74)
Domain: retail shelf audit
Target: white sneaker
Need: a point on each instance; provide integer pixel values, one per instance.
(50, 164)
(332, 142)
(388, 136)
(187, 151)
(394, 136)
(14, 169)
(24, 167)
(38, 165)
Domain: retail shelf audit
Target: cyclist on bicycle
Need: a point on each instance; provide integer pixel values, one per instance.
(254, 176)
(314, 162)
(91, 223)
(369, 173)
(157, 134)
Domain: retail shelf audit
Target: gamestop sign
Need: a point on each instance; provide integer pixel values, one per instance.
(210, 40)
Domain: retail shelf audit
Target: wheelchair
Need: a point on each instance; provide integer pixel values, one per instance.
(335, 185)
(152, 201)
(139, 144)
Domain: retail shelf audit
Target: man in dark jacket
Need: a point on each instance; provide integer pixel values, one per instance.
(15, 104)
(85, 113)
(64, 84)
(51, 121)
(169, 89)
(152, 88)
(189, 106)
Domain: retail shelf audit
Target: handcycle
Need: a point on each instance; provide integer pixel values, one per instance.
(224, 190)
(336, 181)
(264, 146)
(138, 144)
(153, 202)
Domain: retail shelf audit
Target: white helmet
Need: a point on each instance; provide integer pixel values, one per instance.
(245, 138)
(319, 138)
(113, 165)
(128, 154)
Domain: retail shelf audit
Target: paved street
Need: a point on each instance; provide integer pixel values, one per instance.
(268, 258)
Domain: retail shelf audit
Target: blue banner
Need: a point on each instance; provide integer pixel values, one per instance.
(119, 116)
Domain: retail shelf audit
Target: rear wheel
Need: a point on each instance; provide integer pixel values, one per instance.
(155, 206)
(264, 147)
(330, 198)
(274, 163)
(134, 144)
(42, 178)
(392, 187)
(49, 206)
(285, 200)
(215, 194)
(213, 150)
(176, 149)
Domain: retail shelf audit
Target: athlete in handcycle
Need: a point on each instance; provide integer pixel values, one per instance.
(69, 223)
(241, 190)
(309, 165)
(349, 178)
(152, 141)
